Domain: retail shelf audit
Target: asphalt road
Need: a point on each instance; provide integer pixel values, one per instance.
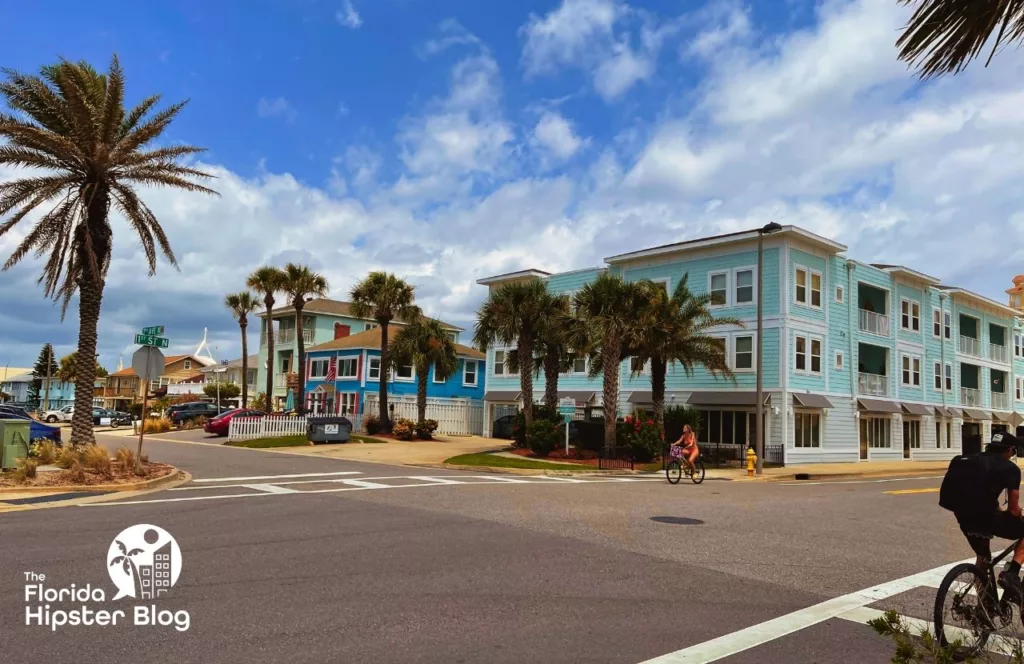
(291, 558)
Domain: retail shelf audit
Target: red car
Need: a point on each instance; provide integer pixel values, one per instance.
(220, 424)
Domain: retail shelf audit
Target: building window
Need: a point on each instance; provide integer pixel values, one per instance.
(370, 326)
(744, 286)
(839, 294)
(637, 368)
(807, 429)
(1018, 345)
(912, 434)
(743, 353)
(910, 315)
(347, 402)
(437, 375)
(938, 434)
(318, 368)
(816, 356)
(188, 364)
(801, 285)
(578, 364)
(373, 368)
(816, 289)
(404, 372)
(839, 360)
(949, 434)
(469, 373)
(936, 323)
(875, 431)
(949, 377)
(499, 363)
(801, 354)
(911, 371)
(348, 368)
(937, 384)
(1020, 388)
(947, 320)
(719, 288)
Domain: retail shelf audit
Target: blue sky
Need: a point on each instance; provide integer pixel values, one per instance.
(450, 140)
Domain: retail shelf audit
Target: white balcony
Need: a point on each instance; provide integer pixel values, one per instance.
(280, 380)
(873, 323)
(970, 346)
(999, 353)
(970, 396)
(872, 384)
(1000, 401)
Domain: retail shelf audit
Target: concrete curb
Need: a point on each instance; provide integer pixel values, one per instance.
(172, 479)
(538, 471)
(813, 477)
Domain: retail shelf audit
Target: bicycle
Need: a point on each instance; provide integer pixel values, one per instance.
(675, 470)
(979, 618)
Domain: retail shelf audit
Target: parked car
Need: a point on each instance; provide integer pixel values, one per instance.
(194, 411)
(60, 415)
(101, 416)
(171, 410)
(17, 411)
(503, 427)
(36, 429)
(222, 423)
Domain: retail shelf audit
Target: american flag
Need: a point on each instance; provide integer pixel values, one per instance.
(332, 370)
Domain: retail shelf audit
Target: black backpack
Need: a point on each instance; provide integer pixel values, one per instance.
(966, 488)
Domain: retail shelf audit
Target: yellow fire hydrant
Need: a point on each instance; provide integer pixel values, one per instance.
(751, 461)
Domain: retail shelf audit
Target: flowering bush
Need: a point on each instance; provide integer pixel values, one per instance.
(542, 436)
(44, 451)
(403, 429)
(642, 438)
(425, 429)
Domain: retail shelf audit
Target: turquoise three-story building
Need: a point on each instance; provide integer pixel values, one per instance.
(861, 361)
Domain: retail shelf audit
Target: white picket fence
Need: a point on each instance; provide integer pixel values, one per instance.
(250, 428)
(455, 417)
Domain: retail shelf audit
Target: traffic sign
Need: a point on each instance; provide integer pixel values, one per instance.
(156, 330)
(567, 406)
(152, 340)
(148, 363)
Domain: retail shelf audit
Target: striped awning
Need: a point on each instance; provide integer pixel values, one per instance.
(916, 409)
(811, 401)
(502, 395)
(878, 406)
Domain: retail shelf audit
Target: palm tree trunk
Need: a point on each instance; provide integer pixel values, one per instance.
(382, 394)
(421, 395)
(525, 351)
(90, 296)
(243, 323)
(551, 378)
(269, 301)
(612, 359)
(300, 402)
(659, 368)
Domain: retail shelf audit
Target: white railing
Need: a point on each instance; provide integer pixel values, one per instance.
(873, 384)
(970, 346)
(970, 396)
(455, 417)
(307, 335)
(285, 336)
(250, 428)
(873, 323)
(1000, 401)
(999, 353)
(280, 380)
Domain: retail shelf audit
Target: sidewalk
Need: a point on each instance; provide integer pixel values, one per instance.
(416, 452)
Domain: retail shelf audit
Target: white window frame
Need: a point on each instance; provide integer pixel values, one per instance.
(884, 425)
(802, 428)
(187, 365)
(839, 364)
(503, 362)
(711, 276)
(840, 293)
(645, 371)
(572, 365)
(913, 315)
(937, 376)
(370, 326)
(914, 425)
(949, 376)
(1019, 388)
(947, 318)
(821, 347)
(344, 399)
(657, 280)
(796, 285)
(910, 370)
(734, 293)
(811, 291)
(465, 373)
(402, 379)
(355, 368)
(734, 354)
(370, 362)
(797, 353)
(434, 380)
(1018, 345)
(809, 355)
(314, 363)
(936, 323)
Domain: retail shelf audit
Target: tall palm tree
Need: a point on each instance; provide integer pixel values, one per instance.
(608, 312)
(66, 373)
(302, 284)
(267, 281)
(89, 153)
(385, 298)
(514, 316)
(550, 354)
(674, 328)
(426, 344)
(944, 36)
(241, 305)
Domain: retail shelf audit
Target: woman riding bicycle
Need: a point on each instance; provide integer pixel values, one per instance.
(687, 447)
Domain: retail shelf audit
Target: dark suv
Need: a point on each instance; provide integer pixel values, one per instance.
(192, 411)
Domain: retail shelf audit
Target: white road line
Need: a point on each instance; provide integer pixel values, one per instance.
(509, 480)
(556, 478)
(363, 484)
(273, 477)
(176, 500)
(310, 481)
(888, 479)
(436, 480)
(756, 635)
(997, 643)
(269, 488)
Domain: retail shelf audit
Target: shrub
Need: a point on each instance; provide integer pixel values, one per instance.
(194, 423)
(676, 417)
(542, 436)
(403, 429)
(76, 473)
(259, 402)
(26, 470)
(372, 424)
(590, 435)
(641, 437)
(540, 412)
(126, 457)
(96, 459)
(157, 425)
(45, 451)
(69, 454)
(425, 429)
(135, 409)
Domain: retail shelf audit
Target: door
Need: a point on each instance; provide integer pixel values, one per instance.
(971, 437)
(863, 439)
(342, 331)
(906, 439)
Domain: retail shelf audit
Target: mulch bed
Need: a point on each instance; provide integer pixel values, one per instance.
(61, 478)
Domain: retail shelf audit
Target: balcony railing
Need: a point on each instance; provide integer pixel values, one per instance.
(280, 380)
(287, 336)
(1000, 401)
(873, 323)
(873, 384)
(970, 396)
(970, 346)
(999, 353)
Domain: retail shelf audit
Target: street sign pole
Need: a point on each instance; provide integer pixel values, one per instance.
(147, 362)
(567, 408)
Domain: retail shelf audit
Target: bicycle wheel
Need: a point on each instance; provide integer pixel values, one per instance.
(698, 472)
(964, 616)
(674, 471)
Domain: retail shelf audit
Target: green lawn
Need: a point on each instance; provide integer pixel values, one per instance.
(493, 460)
(283, 441)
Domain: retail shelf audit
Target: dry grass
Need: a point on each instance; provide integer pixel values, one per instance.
(126, 457)
(46, 452)
(96, 459)
(76, 474)
(26, 470)
(158, 425)
(69, 455)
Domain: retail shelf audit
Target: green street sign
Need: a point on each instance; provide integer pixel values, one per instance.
(152, 340)
(156, 330)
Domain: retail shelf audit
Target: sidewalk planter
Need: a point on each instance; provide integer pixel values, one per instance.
(328, 429)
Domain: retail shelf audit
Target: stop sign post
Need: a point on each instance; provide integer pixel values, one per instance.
(148, 364)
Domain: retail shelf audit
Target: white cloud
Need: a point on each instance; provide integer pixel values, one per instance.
(565, 35)
(343, 109)
(348, 16)
(725, 25)
(557, 136)
(452, 34)
(276, 107)
(619, 72)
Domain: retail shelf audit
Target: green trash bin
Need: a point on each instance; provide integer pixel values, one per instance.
(14, 442)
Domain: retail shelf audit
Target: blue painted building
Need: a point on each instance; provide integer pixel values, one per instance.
(861, 361)
(340, 373)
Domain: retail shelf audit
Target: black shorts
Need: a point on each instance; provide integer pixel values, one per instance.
(1001, 524)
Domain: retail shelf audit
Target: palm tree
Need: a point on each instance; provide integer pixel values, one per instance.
(384, 297)
(426, 344)
(302, 284)
(944, 36)
(241, 305)
(550, 352)
(268, 282)
(514, 316)
(674, 329)
(90, 153)
(127, 562)
(608, 312)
